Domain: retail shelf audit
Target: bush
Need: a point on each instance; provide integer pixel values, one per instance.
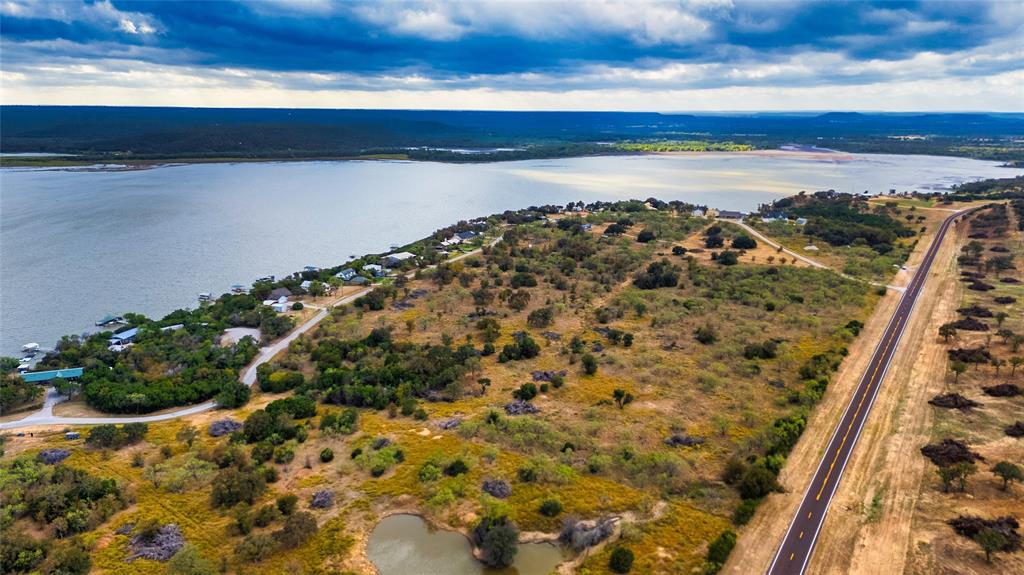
(255, 548)
(720, 548)
(745, 511)
(232, 486)
(757, 481)
(715, 241)
(327, 455)
(296, 530)
(658, 274)
(706, 335)
(233, 394)
(266, 515)
(589, 364)
(111, 436)
(286, 503)
(526, 392)
(728, 258)
(744, 242)
(646, 236)
(455, 468)
(621, 560)
(498, 540)
(541, 317)
(550, 507)
(297, 306)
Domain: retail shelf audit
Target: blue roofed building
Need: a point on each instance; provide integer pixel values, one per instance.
(46, 376)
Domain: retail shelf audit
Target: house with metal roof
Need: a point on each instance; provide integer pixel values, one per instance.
(46, 376)
(125, 337)
(346, 274)
(397, 258)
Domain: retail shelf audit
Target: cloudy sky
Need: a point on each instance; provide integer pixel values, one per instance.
(688, 55)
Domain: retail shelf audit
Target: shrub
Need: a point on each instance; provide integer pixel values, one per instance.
(745, 511)
(621, 560)
(720, 548)
(455, 468)
(327, 455)
(589, 364)
(757, 481)
(296, 530)
(297, 306)
(286, 503)
(255, 548)
(526, 392)
(714, 241)
(429, 472)
(744, 242)
(232, 486)
(550, 507)
(541, 317)
(646, 236)
(706, 335)
(266, 515)
(658, 274)
(498, 540)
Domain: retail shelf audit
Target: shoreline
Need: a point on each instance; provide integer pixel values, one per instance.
(122, 165)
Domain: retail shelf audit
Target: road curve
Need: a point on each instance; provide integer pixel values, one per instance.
(793, 556)
(45, 415)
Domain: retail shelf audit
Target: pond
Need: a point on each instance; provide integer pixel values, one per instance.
(406, 544)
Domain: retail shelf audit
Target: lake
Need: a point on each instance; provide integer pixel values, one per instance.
(76, 245)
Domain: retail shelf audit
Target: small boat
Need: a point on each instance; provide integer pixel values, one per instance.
(267, 278)
(238, 288)
(205, 296)
(110, 320)
(30, 348)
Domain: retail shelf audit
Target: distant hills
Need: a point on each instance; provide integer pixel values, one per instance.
(166, 133)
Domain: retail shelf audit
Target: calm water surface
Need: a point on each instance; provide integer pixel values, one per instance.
(78, 245)
(406, 544)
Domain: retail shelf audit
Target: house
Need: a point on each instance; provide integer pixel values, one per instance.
(730, 215)
(452, 241)
(46, 376)
(801, 221)
(280, 306)
(305, 285)
(398, 257)
(346, 274)
(281, 292)
(174, 327)
(465, 236)
(377, 270)
(125, 337)
(359, 280)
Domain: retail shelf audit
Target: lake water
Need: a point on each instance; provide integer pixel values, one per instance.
(78, 245)
(406, 544)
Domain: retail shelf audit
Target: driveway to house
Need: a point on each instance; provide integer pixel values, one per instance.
(45, 415)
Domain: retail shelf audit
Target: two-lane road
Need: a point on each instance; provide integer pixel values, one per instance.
(794, 554)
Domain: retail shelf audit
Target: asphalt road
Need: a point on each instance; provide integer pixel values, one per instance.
(795, 552)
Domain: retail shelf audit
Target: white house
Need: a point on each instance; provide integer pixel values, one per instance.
(801, 221)
(375, 269)
(397, 258)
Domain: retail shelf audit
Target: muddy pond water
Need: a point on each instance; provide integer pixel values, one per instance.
(406, 544)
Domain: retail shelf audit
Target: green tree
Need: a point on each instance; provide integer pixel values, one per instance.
(498, 540)
(1015, 362)
(957, 367)
(622, 397)
(946, 331)
(1008, 472)
(991, 541)
(66, 387)
(187, 435)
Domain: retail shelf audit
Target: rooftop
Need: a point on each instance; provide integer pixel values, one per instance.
(66, 373)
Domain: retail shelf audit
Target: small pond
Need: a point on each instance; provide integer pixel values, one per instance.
(404, 544)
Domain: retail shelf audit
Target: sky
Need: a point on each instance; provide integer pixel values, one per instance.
(686, 55)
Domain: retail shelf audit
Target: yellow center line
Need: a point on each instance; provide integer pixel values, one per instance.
(860, 405)
(791, 555)
(801, 535)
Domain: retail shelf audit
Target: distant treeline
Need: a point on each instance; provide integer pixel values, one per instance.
(141, 134)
